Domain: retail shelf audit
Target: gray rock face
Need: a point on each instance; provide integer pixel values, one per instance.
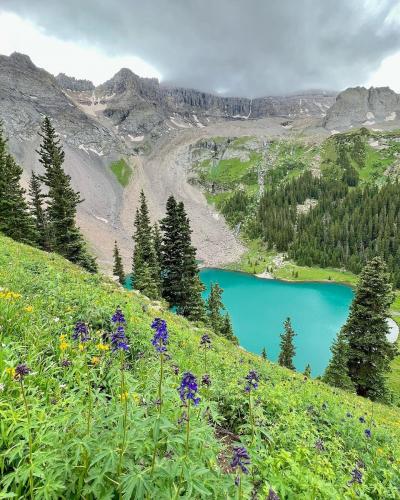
(28, 93)
(71, 83)
(360, 106)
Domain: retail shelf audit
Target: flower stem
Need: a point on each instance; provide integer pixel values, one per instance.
(187, 429)
(251, 417)
(153, 461)
(124, 399)
(28, 416)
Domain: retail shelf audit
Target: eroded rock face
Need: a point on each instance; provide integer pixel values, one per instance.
(360, 106)
(74, 84)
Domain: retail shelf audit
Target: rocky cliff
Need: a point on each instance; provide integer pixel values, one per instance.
(360, 106)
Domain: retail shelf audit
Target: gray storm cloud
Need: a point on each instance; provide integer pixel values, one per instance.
(240, 47)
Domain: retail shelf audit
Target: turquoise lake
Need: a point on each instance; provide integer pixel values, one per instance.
(258, 308)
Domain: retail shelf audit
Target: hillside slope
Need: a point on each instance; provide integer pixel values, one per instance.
(310, 441)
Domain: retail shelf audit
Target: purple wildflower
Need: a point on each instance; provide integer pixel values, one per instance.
(118, 316)
(272, 495)
(362, 420)
(206, 380)
(188, 388)
(319, 445)
(205, 341)
(81, 332)
(252, 380)
(65, 363)
(119, 340)
(367, 433)
(160, 339)
(21, 371)
(356, 476)
(240, 459)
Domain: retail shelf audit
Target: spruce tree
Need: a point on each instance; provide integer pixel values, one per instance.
(264, 354)
(366, 330)
(336, 373)
(65, 237)
(15, 219)
(118, 269)
(157, 240)
(214, 308)
(38, 212)
(307, 371)
(288, 350)
(227, 329)
(145, 269)
(181, 285)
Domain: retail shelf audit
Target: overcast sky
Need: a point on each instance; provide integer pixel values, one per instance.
(235, 47)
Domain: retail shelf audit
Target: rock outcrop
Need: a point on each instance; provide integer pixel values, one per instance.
(360, 106)
(74, 84)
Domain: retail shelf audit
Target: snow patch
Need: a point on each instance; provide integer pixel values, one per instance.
(393, 330)
(101, 219)
(391, 117)
(138, 138)
(370, 115)
(369, 122)
(198, 123)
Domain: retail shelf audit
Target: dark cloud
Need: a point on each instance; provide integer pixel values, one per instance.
(240, 47)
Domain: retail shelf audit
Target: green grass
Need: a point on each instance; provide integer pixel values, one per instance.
(122, 171)
(78, 419)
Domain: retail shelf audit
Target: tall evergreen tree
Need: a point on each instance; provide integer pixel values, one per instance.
(214, 308)
(181, 285)
(307, 371)
(38, 212)
(15, 219)
(227, 329)
(118, 268)
(336, 373)
(65, 237)
(366, 330)
(288, 350)
(157, 239)
(264, 354)
(145, 269)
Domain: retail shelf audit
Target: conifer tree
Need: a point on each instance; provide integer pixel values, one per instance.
(307, 371)
(181, 285)
(336, 373)
(38, 212)
(227, 329)
(214, 308)
(287, 351)
(65, 237)
(157, 240)
(264, 354)
(118, 269)
(145, 269)
(15, 219)
(366, 330)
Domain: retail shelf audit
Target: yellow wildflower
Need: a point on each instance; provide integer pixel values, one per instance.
(62, 337)
(11, 371)
(123, 396)
(81, 347)
(63, 345)
(28, 309)
(103, 347)
(95, 360)
(136, 397)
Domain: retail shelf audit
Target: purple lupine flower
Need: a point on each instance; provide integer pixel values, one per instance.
(252, 380)
(205, 341)
(118, 316)
(160, 339)
(240, 458)
(319, 445)
(362, 420)
(81, 332)
(119, 340)
(272, 495)
(65, 363)
(21, 371)
(188, 388)
(356, 476)
(206, 380)
(367, 433)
